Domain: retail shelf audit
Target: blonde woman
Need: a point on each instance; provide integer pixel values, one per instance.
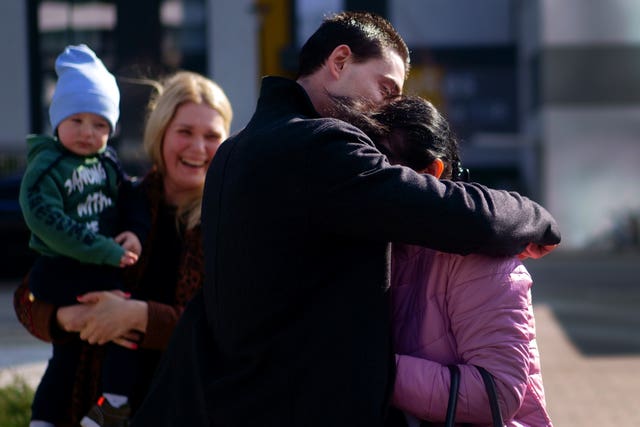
(188, 120)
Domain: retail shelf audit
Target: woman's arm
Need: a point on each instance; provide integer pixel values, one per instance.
(488, 306)
(162, 318)
(59, 324)
(156, 321)
(38, 317)
(111, 316)
(108, 317)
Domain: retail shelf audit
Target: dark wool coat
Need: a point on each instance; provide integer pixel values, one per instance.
(292, 327)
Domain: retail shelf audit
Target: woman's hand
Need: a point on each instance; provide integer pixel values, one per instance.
(130, 340)
(72, 318)
(111, 316)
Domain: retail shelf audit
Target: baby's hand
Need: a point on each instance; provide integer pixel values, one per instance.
(129, 258)
(129, 242)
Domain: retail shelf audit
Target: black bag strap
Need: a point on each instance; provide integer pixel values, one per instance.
(490, 386)
(450, 417)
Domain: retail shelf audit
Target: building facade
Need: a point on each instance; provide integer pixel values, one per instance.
(543, 94)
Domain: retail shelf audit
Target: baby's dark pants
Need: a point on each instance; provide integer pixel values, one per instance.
(59, 281)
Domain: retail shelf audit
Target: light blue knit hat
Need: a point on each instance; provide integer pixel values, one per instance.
(84, 86)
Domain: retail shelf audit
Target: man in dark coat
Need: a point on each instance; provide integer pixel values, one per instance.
(292, 326)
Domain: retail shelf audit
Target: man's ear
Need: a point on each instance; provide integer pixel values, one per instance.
(435, 168)
(337, 60)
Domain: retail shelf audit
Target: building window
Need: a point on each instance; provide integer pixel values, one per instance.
(135, 39)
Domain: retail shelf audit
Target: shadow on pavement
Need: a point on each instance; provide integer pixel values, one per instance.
(594, 296)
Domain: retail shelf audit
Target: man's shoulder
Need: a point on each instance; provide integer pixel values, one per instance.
(327, 128)
(332, 131)
(297, 125)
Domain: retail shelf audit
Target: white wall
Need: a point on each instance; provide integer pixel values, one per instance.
(591, 151)
(592, 159)
(310, 13)
(528, 22)
(590, 21)
(233, 55)
(441, 23)
(14, 75)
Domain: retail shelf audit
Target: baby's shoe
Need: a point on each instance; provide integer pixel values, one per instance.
(102, 414)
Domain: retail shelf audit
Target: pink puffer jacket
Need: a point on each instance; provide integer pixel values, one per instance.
(464, 310)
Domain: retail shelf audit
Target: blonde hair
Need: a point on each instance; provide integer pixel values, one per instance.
(178, 89)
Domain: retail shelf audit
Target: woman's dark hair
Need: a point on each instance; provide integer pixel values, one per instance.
(419, 134)
(409, 130)
(366, 34)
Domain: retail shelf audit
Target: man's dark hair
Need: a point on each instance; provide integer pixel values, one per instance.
(368, 35)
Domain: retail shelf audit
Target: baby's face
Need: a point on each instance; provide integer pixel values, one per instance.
(84, 134)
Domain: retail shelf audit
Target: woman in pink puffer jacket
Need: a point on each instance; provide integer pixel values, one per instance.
(464, 310)
(452, 309)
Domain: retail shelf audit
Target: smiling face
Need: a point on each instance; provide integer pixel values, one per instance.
(84, 134)
(190, 141)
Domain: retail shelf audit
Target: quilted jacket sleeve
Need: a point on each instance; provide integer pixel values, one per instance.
(488, 306)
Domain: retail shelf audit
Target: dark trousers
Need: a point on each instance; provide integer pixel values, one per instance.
(60, 280)
(120, 369)
(52, 398)
(53, 395)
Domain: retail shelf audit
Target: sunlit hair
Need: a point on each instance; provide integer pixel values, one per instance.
(178, 89)
(368, 36)
(409, 130)
(419, 134)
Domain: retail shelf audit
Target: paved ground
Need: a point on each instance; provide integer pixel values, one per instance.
(587, 310)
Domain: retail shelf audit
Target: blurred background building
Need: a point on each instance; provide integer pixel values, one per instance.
(544, 94)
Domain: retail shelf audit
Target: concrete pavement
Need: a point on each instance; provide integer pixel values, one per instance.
(587, 309)
(580, 390)
(20, 353)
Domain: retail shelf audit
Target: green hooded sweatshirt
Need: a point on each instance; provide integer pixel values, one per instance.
(68, 202)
